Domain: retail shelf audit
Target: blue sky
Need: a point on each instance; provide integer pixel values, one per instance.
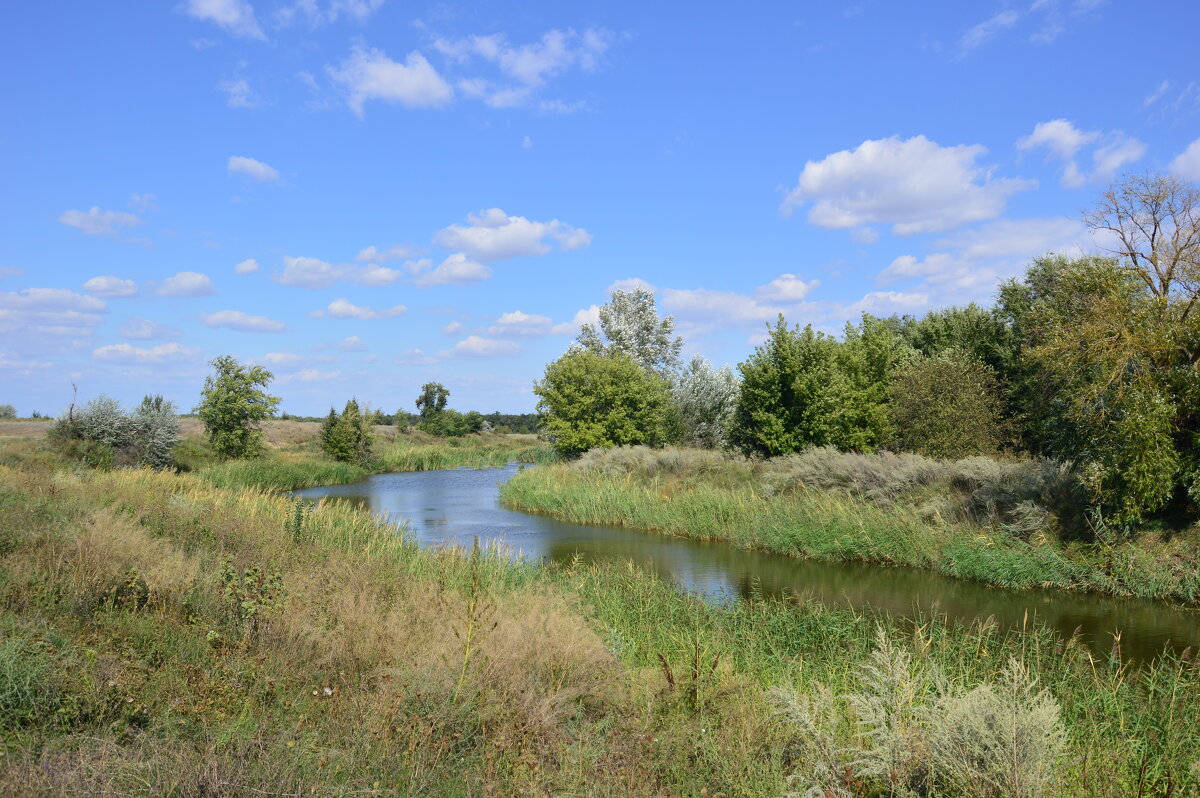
(366, 195)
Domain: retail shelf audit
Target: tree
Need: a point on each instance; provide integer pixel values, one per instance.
(1154, 221)
(946, 406)
(8, 411)
(630, 325)
(790, 393)
(590, 399)
(347, 437)
(866, 359)
(432, 400)
(705, 399)
(233, 404)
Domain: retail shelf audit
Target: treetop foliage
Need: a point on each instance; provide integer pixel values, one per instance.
(232, 404)
(630, 324)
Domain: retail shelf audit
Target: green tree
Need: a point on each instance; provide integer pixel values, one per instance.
(790, 393)
(630, 325)
(347, 437)
(431, 404)
(866, 359)
(233, 404)
(946, 406)
(590, 399)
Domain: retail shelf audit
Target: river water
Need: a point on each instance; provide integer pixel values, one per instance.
(453, 507)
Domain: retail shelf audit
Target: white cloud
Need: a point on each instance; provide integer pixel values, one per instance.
(95, 222)
(370, 75)
(281, 358)
(1063, 141)
(235, 16)
(1186, 165)
(494, 235)
(525, 68)
(373, 254)
(475, 347)
(317, 274)
(989, 28)
(1120, 150)
(110, 287)
(143, 203)
(241, 165)
(53, 312)
(520, 325)
(1156, 95)
(248, 266)
(126, 353)
(311, 375)
(187, 284)
(527, 143)
(351, 343)
(915, 185)
(345, 309)
(885, 303)
(239, 93)
(242, 322)
(588, 315)
(139, 329)
(457, 269)
(317, 13)
(786, 288)
(454, 328)
(968, 265)
(414, 357)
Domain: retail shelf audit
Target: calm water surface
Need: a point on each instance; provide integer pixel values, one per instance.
(453, 507)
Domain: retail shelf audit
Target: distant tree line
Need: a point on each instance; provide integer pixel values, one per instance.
(1093, 361)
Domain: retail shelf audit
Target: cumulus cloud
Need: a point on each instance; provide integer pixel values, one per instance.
(786, 288)
(915, 185)
(187, 284)
(351, 343)
(369, 74)
(281, 358)
(140, 329)
(967, 266)
(1063, 141)
(234, 16)
(126, 353)
(588, 315)
(242, 322)
(520, 325)
(1186, 165)
(310, 375)
(95, 222)
(457, 269)
(493, 235)
(110, 287)
(414, 357)
(50, 311)
(241, 165)
(317, 274)
(475, 347)
(454, 328)
(248, 266)
(374, 254)
(345, 309)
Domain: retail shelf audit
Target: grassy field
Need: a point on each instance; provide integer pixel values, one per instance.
(970, 520)
(162, 635)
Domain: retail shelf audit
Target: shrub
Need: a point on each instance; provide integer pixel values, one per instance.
(946, 406)
(8, 411)
(102, 434)
(347, 437)
(705, 399)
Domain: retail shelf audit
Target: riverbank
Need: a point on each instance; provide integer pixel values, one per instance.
(976, 519)
(162, 635)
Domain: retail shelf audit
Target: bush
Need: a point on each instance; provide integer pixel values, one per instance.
(705, 399)
(347, 438)
(946, 406)
(102, 434)
(8, 411)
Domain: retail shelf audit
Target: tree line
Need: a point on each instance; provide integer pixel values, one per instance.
(1089, 360)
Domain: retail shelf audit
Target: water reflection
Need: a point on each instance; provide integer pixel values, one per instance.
(453, 507)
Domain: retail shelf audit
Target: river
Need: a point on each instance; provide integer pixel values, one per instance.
(454, 507)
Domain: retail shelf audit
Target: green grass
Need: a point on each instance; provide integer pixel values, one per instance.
(125, 669)
(724, 503)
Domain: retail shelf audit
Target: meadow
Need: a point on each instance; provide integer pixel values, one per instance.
(167, 635)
